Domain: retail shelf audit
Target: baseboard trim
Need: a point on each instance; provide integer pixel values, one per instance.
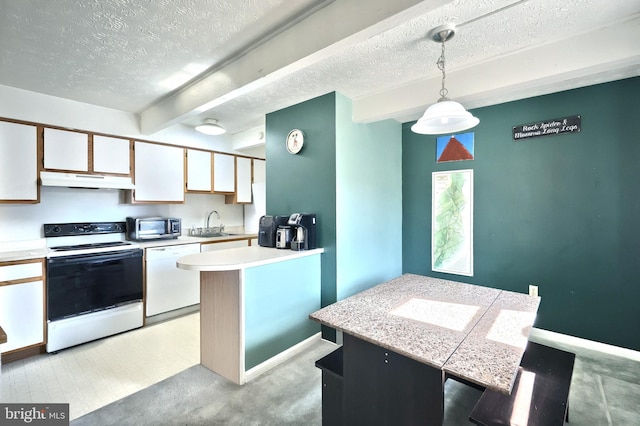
(154, 319)
(280, 358)
(584, 343)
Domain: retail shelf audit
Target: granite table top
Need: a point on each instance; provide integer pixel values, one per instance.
(473, 332)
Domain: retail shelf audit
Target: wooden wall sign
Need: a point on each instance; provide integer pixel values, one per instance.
(556, 126)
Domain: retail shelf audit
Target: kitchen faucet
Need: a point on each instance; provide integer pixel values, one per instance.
(209, 217)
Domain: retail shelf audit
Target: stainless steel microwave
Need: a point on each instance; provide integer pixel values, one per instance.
(153, 228)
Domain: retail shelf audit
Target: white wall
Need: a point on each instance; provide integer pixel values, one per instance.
(23, 222)
(24, 105)
(196, 207)
(61, 205)
(250, 139)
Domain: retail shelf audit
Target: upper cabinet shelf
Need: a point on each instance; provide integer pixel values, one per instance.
(199, 171)
(69, 151)
(66, 151)
(18, 163)
(224, 170)
(111, 155)
(162, 172)
(159, 173)
(243, 180)
(218, 173)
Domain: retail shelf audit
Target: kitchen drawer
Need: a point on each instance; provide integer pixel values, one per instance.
(21, 271)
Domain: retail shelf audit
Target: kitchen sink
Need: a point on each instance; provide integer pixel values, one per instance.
(212, 234)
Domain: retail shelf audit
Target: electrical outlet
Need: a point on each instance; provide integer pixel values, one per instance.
(533, 290)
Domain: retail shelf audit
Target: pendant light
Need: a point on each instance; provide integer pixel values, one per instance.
(445, 116)
(210, 127)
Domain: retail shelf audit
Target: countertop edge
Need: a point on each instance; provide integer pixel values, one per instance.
(15, 256)
(240, 258)
(188, 239)
(38, 250)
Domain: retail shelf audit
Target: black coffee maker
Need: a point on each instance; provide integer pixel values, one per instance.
(304, 231)
(267, 229)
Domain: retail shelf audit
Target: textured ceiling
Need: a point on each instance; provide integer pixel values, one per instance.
(250, 58)
(116, 53)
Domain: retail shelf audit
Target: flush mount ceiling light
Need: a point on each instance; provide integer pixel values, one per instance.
(210, 127)
(445, 116)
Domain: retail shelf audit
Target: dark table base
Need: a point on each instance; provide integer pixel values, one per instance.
(376, 386)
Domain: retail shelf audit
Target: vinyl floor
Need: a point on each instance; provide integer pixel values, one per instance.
(115, 374)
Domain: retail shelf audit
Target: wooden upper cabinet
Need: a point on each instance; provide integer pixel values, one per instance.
(199, 176)
(111, 155)
(65, 150)
(224, 167)
(18, 163)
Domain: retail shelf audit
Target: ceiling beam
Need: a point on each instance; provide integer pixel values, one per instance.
(318, 36)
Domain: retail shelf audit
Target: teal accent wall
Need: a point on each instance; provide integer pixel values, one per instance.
(560, 212)
(306, 182)
(278, 298)
(350, 176)
(369, 201)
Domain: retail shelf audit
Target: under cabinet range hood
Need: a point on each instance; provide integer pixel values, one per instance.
(77, 180)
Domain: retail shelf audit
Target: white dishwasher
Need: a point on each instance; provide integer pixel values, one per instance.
(168, 287)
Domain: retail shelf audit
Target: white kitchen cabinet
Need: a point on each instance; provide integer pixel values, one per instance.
(22, 304)
(199, 170)
(66, 150)
(159, 173)
(223, 245)
(18, 162)
(224, 173)
(259, 170)
(243, 180)
(242, 194)
(169, 288)
(111, 155)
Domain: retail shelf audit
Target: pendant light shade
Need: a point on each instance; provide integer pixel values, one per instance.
(445, 116)
(210, 127)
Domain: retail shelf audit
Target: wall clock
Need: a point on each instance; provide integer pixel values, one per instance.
(295, 140)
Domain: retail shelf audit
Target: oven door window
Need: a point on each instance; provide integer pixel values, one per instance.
(85, 283)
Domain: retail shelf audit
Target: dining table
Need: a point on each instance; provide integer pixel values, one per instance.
(402, 339)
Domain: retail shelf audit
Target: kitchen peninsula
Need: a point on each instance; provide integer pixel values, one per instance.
(254, 307)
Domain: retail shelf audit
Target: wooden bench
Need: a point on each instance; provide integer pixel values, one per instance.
(540, 394)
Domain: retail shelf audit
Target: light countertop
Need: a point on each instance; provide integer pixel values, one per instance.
(187, 239)
(23, 250)
(474, 332)
(240, 258)
(37, 249)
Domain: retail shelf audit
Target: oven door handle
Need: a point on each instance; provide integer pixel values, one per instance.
(95, 257)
